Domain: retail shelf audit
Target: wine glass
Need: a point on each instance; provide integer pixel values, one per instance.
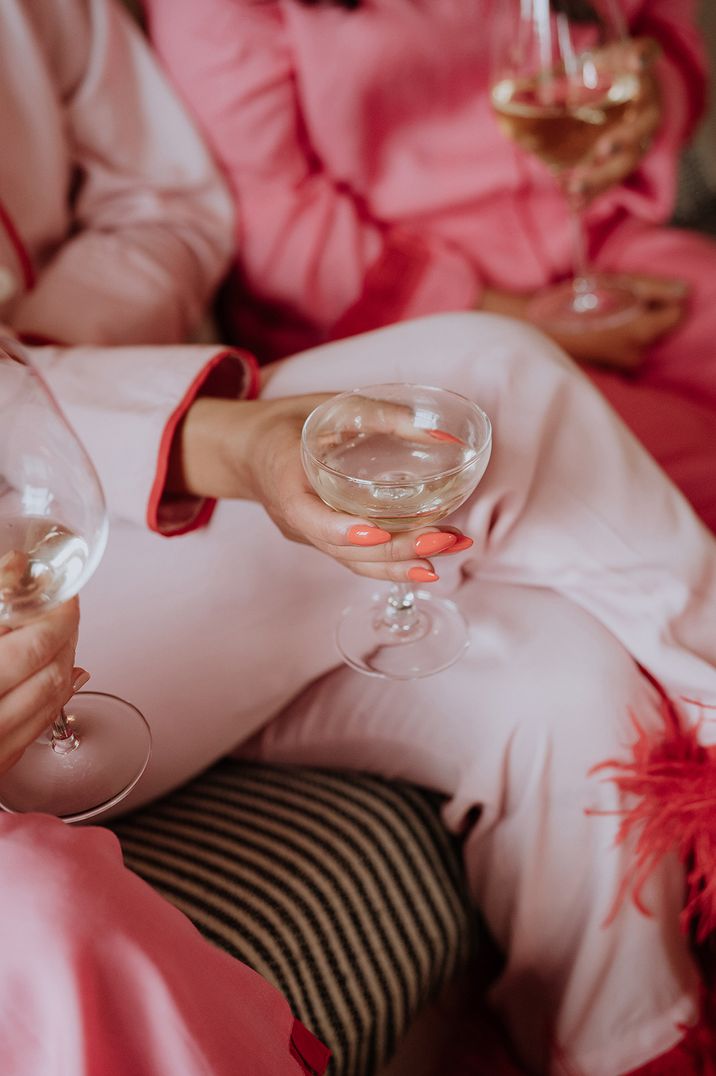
(53, 531)
(562, 79)
(403, 457)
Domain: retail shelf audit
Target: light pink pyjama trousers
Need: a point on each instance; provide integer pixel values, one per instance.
(586, 562)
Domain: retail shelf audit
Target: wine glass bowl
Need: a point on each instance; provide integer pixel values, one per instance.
(53, 532)
(563, 79)
(53, 520)
(561, 118)
(391, 464)
(402, 457)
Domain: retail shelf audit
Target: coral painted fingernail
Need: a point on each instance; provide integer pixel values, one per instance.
(427, 544)
(443, 435)
(422, 575)
(461, 544)
(361, 535)
(81, 676)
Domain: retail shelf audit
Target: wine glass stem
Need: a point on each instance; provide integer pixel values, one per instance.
(400, 614)
(582, 275)
(62, 738)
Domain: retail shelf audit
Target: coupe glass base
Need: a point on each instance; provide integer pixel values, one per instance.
(115, 745)
(597, 302)
(376, 648)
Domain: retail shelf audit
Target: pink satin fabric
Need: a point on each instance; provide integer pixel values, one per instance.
(100, 975)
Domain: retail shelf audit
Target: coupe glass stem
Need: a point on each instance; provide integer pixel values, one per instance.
(400, 613)
(62, 738)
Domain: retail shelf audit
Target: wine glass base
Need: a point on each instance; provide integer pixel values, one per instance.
(371, 646)
(603, 302)
(114, 749)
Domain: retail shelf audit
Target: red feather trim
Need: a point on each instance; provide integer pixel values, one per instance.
(674, 783)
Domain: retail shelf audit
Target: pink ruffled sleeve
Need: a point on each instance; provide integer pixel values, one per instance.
(650, 192)
(305, 241)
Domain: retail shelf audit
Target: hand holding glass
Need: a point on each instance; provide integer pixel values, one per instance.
(564, 77)
(402, 457)
(53, 531)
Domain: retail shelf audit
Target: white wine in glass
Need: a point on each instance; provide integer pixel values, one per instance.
(53, 531)
(562, 80)
(397, 482)
(42, 563)
(403, 457)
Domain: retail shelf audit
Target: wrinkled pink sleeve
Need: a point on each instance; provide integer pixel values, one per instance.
(154, 222)
(126, 404)
(303, 240)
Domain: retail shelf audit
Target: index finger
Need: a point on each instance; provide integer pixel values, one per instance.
(657, 289)
(631, 53)
(314, 521)
(643, 52)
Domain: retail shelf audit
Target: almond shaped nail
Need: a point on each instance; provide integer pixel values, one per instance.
(428, 544)
(422, 575)
(362, 535)
(461, 544)
(81, 678)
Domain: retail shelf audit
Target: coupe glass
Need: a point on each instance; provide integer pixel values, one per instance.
(403, 457)
(562, 80)
(53, 530)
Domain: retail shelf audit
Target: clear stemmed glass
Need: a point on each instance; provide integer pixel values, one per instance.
(53, 531)
(562, 79)
(402, 457)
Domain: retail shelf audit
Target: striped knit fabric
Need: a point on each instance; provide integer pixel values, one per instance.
(343, 890)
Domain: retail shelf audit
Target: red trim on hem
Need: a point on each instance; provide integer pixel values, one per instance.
(21, 252)
(311, 1054)
(204, 514)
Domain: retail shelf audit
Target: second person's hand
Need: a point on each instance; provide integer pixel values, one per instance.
(620, 347)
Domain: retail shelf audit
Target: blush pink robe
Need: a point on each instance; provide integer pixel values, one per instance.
(114, 226)
(587, 566)
(378, 187)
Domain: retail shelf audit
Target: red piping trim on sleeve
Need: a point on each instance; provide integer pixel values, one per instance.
(254, 370)
(204, 513)
(28, 272)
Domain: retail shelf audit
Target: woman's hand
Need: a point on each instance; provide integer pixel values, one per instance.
(251, 450)
(622, 347)
(37, 678)
(617, 154)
